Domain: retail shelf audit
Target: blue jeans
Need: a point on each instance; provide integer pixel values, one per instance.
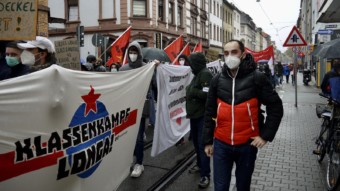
(224, 157)
(139, 148)
(203, 161)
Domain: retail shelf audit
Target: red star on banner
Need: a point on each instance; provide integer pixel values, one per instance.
(90, 101)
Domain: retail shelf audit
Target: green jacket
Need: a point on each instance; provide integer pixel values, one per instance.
(197, 91)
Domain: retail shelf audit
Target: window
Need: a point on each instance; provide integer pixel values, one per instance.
(73, 10)
(217, 10)
(139, 8)
(202, 4)
(193, 26)
(242, 29)
(171, 20)
(179, 16)
(203, 29)
(210, 6)
(160, 10)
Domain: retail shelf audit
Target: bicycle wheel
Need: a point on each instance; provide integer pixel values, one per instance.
(321, 142)
(333, 167)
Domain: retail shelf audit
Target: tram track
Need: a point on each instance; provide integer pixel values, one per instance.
(174, 172)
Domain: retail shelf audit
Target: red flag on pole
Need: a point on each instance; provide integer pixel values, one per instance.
(198, 47)
(173, 49)
(119, 46)
(185, 51)
(265, 54)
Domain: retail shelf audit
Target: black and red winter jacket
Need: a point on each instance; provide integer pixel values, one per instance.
(233, 113)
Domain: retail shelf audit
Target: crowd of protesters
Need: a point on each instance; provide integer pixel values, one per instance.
(214, 104)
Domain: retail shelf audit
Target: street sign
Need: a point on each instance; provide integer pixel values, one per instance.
(97, 39)
(325, 31)
(331, 26)
(295, 38)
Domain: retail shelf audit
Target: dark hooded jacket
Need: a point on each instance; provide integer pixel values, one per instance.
(233, 113)
(197, 90)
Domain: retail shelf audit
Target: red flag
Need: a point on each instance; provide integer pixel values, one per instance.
(265, 54)
(173, 49)
(185, 51)
(198, 47)
(119, 46)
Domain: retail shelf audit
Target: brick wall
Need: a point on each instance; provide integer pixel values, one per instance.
(42, 22)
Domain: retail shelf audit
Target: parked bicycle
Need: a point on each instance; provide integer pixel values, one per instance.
(328, 141)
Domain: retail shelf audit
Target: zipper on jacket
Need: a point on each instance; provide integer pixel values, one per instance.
(251, 119)
(232, 112)
(232, 105)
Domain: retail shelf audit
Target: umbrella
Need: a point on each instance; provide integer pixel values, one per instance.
(330, 49)
(150, 53)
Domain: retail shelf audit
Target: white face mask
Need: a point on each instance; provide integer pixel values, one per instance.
(181, 62)
(133, 57)
(114, 70)
(232, 61)
(27, 58)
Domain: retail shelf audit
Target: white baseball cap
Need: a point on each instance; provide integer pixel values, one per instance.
(40, 42)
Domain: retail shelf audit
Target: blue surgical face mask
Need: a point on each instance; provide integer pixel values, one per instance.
(12, 61)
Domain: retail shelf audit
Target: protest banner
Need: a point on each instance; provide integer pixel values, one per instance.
(215, 66)
(67, 53)
(69, 130)
(171, 122)
(18, 19)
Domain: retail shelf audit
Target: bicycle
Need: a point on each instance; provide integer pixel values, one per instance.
(328, 141)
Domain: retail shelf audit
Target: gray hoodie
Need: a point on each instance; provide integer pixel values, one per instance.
(136, 64)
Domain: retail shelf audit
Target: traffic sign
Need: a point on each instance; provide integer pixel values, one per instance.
(325, 31)
(295, 38)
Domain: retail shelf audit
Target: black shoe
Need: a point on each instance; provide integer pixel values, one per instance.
(204, 182)
(194, 169)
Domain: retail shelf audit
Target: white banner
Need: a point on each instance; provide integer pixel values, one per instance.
(66, 130)
(215, 66)
(171, 122)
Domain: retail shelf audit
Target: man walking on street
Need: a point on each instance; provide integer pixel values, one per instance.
(196, 95)
(234, 123)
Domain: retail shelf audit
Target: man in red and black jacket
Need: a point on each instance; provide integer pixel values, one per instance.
(234, 126)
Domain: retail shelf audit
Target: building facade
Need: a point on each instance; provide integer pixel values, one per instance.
(155, 23)
(248, 31)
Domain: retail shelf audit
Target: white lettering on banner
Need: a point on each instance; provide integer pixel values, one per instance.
(73, 132)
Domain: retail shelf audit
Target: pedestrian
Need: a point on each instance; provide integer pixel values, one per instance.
(14, 67)
(89, 65)
(286, 72)
(114, 67)
(38, 53)
(135, 60)
(234, 127)
(183, 60)
(196, 95)
(98, 66)
(278, 73)
(331, 82)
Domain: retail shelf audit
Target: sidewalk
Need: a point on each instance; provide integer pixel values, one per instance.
(287, 163)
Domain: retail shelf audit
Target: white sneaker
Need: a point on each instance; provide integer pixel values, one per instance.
(137, 170)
